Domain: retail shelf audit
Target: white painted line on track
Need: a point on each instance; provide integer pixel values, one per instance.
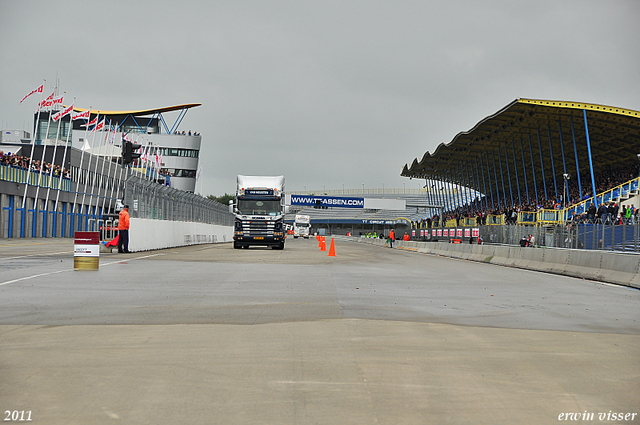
(128, 259)
(70, 270)
(34, 276)
(36, 255)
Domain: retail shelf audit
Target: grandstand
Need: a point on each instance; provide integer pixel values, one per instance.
(534, 163)
(538, 153)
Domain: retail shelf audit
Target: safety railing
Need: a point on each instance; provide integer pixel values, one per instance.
(624, 237)
(495, 220)
(451, 223)
(629, 188)
(527, 217)
(34, 178)
(150, 200)
(469, 221)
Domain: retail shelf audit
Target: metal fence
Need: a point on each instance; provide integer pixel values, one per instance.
(147, 199)
(622, 237)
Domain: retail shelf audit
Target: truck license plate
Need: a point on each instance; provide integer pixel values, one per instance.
(258, 237)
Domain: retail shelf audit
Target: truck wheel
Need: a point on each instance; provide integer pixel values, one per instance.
(236, 245)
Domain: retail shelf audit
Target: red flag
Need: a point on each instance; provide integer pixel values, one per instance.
(82, 115)
(90, 123)
(49, 101)
(43, 101)
(62, 113)
(38, 90)
(99, 126)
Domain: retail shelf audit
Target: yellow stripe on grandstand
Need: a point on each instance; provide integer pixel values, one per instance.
(142, 111)
(579, 105)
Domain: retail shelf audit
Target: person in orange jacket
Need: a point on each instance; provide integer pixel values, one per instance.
(123, 230)
(392, 237)
(406, 237)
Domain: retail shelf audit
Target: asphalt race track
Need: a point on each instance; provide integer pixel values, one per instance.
(209, 334)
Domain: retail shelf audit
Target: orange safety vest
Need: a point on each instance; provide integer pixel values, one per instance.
(123, 220)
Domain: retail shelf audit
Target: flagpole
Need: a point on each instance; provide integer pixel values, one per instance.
(64, 156)
(103, 164)
(75, 198)
(44, 149)
(119, 185)
(104, 201)
(93, 142)
(53, 163)
(96, 181)
(33, 141)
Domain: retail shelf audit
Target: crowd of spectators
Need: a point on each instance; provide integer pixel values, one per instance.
(183, 133)
(610, 179)
(25, 163)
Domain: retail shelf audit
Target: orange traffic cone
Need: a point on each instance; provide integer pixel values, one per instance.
(332, 249)
(323, 245)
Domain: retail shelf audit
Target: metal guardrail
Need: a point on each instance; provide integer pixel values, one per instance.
(150, 200)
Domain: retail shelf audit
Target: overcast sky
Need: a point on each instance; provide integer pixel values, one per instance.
(327, 93)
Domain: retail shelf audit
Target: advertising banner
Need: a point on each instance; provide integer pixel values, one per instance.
(86, 250)
(327, 201)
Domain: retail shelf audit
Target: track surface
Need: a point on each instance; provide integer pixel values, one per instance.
(209, 334)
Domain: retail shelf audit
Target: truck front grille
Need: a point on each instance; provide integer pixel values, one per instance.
(258, 228)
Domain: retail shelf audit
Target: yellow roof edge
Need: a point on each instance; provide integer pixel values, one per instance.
(142, 111)
(582, 105)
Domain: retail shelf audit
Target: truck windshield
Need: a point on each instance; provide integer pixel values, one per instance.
(259, 207)
(303, 224)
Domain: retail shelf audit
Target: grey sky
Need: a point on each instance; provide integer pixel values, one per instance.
(324, 92)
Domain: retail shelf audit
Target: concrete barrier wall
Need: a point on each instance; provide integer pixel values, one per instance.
(605, 266)
(146, 234)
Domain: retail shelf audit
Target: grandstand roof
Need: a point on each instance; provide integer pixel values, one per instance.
(614, 135)
(142, 112)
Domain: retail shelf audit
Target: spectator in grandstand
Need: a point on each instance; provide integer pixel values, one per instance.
(603, 212)
(615, 209)
(591, 212)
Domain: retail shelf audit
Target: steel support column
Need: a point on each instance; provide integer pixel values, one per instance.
(564, 164)
(515, 167)
(506, 160)
(524, 167)
(495, 174)
(493, 205)
(575, 151)
(533, 170)
(484, 185)
(544, 178)
(593, 180)
(553, 167)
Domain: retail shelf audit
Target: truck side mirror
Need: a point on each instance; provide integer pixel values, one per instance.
(286, 209)
(231, 206)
